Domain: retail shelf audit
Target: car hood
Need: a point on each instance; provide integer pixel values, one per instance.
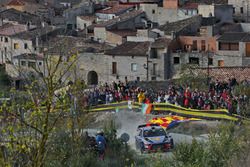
(155, 139)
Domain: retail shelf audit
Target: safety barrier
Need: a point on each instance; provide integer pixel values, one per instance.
(165, 108)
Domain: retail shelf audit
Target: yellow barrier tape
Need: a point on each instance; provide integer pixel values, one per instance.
(189, 109)
(199, 114)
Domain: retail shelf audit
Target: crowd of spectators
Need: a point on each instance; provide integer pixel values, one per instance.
(219, 95)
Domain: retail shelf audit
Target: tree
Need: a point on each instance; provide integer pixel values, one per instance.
(30, 120)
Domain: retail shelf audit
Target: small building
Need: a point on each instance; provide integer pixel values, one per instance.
(222, 12)
(7, 30)
(128, 21)
(82, 22)
(113, 12)
(241, 10)
(235, 45)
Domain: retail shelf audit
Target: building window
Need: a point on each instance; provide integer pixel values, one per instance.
(133, 67)
(153, 11)
(1, 39)
(23, 63)
(31, 64)
(233, 10)
(203, 45)
(25, 46)
(114, 67)
(40, 63)
(193, 60)
(241, 10)
(176, 60)
(221, 63)
(153, 53)
(194, 47)
(154, 69)
(210, 61)
(229, 46)
(153, 78)
(138, 78)
(6, 39)
(247, 49)
(16, 46)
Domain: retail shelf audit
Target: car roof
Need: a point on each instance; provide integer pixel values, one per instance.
(149, 126)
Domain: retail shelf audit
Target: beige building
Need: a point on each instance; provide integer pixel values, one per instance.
(241, 9)
(163, 15)
(82, 22)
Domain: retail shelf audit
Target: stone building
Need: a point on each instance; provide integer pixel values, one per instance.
(241, 9)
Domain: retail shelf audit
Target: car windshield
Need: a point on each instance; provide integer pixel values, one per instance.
(154, 132)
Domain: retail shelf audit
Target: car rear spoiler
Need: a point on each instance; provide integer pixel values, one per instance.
(145, 125)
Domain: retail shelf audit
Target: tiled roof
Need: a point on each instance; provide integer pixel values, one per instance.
(10, 29)
(124, 33)
(116, 9)
(16, 3)
(20, 17)
(130, 49)
(234, 37)
(161, 43)
(89, 18)
(32, 34)
(70, 44)
(30, 56)
(225, 73)
(122, 18)
(210, 1)
(190, 5)
(177, 26)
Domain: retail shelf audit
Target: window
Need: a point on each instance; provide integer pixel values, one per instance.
(194, 45)
(233, 10)
(193, 60)
(23, 63)
(25, 46)
(6, 39)
(153, 78)
(31, 64)
(40, 63)
(241, 10)
(203, 45)
(154, 69)
(221, 63)
(114, 67)
(138, 78)
(210, 61)
(176, 60)
(247, 49)
(133, 67)
(16, 46)
(153, 53)
(229, 46)
(153, 11)
(1, 39)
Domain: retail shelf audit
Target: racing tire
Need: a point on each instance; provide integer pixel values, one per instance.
(171, 143)
(142, 149)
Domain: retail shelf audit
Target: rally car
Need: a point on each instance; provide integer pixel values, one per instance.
(152, 138)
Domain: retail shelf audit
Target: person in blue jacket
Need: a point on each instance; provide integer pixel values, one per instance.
(101, 144)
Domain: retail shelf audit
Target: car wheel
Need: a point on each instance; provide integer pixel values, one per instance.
(142, 149)
(171, 143)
